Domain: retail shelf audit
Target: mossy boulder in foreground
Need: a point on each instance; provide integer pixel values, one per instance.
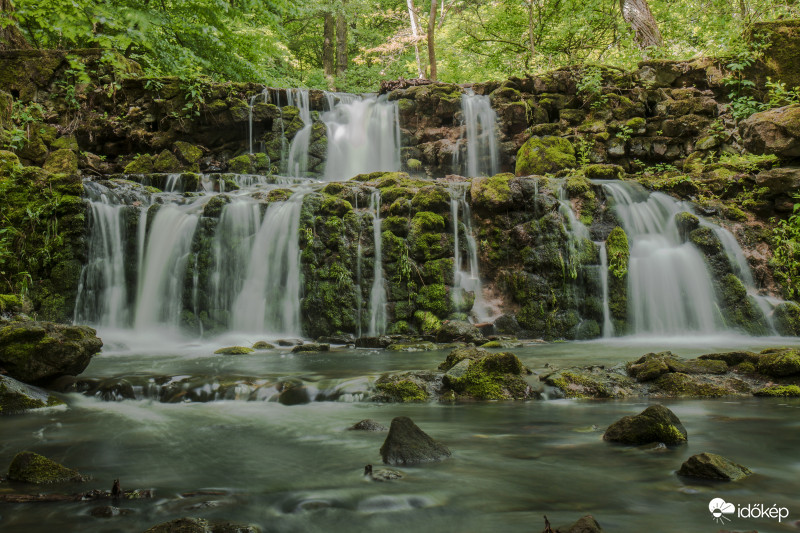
(545, 155)
(407, 444)
(713, 466)
(34, 351)
(16, 397)
(654, 424)
(30, 467)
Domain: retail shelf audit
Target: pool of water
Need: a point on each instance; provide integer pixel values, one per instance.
(298, 468)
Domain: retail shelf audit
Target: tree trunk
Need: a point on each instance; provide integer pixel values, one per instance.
(10, 36)
(327, 45)
(341, 43)
(637, 14)
(531, 39)
(415, 33)
(431, 47)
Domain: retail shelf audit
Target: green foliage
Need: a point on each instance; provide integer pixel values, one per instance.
(590, 86)
(618, 252)
(624, 133)
(583, 148)
(786, 252)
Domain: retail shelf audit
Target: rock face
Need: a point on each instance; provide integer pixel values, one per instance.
(654, 424)
(16, 397)
(407, 444)
(30, 467)
(201, 525)
(713, 466)
(35, 351)
(776, 131)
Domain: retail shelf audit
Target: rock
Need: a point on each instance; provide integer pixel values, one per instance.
(604, 172)
(507, 325)
(384, 474)
(29, 467)
(713, 466)
(311, 347)
(289, 342)
(16, 397)
(412, 347)
(345, 338)
(263, 345)
(779, 362)
(404, 388)
(141, 165)
(649, 367)
(476, 374)
(62, 161)
(373, 342)
(778, 181)
(35, 351)
(109, 511)
(457, 330)
(368, 424)
(234, 350)
(293, 392)
(503, 343)
(201, 525)
(545, 155)
(654, 424)
(593, 382)
(585, 524)
(779, 391)
(407, 444)
(775, 131)
(166, 162)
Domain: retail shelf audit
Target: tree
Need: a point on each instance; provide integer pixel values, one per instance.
(341, 42)
(431, 48)
(637, 13)
(327, 44)
(413, 16)
(10, 36)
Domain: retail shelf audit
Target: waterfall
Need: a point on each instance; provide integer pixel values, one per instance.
(269, 300)
(670, 290)
(161, 279)
(608, 326)
(363, 136)
(479, 124)
(265, 94)
(466, 280)
(297, 164)
(377, 299)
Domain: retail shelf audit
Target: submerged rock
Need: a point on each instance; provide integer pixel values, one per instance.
(234, 350)
(16, 397)
(407, 444)
(654, 424)
(201, 525)
(311, 347)
(384, 474)
(30, 467)
(35, 351)
(368, 424)
(713, 466)
(406, 387)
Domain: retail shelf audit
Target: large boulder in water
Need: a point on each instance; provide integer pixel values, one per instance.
(477, 374)
(35, 351)
(16, 397)
(458, 330)
(29, 467)
(713, 466)
(407, 444)
(654, 424)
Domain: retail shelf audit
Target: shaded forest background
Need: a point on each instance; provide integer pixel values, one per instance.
(351, 45)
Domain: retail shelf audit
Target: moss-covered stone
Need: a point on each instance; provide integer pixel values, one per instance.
(242, 164)
(654, 424)
(600, 171)
(492, 194)
(425, 221)
(779, 362)
(649, 367)
(618, 253)
(779, 391)
(29, 467)
(17, 397)
(411, 347)
(62, 162)
(401, 389)
(166, 162)
(334, 206)
(713, 466)
(575, 384)
(545, 155)
(141, 165)
(263, 345)
(431, 198)
(786, 319)
(188, 153)
(427, 322)
(683, 385)
(481, 375)
(234, 350)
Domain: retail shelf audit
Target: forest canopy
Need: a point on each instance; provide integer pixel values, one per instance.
(353, 44)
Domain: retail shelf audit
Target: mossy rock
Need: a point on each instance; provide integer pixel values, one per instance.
(599, 171)
(201, 525)
(504, 344)
(618, 254)
(483, 375)
(786, 318)
(492, 194)
(263, 345)
(677, 384)
(427, 322)
(334, 206)
(438, 271)
(687, 223)
(141, 165)
(242, 164)
(62, 161)
(431, 198)
(17, 397)
(8, 162)
(411, 347)
(713, 466)
(581, 384)
(166, 162)
(733, 358)
(234, 350)
(779, 363)
(654, 424)
(68, 142)
(425, 221)
(402, 389)
(214, 207)
(29, 467)
(779, 391)
(312, 347)
(649, 367)
(545, 155)
(10, 303)
(434, 298)
(188, 153)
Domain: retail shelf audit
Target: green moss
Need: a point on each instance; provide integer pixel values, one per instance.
(618, 254)
(746, 368)
(545, 155)
(786, 318)
(779, 391)
(434, 298)
(678, 384)
(400, 327)
(731, 212)
(779, 363)
(575, 385)
(241, 164)
(234, 350)
(402, 390)
(411, 347)
(31, 467)
(427, 322)
(166, 162)
(10, 302)
(397, 225)
(431, 198)
(492, 194)
(334, 206)
(425, 221)
(62, 162)
(438, 271)
(188, 153)
(263, 345)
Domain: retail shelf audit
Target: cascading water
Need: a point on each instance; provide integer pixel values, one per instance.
(670, 290)
(363, 136)
(297, 160)
(377, 300)
(608, 325)
(465, 280)
(482, 157)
